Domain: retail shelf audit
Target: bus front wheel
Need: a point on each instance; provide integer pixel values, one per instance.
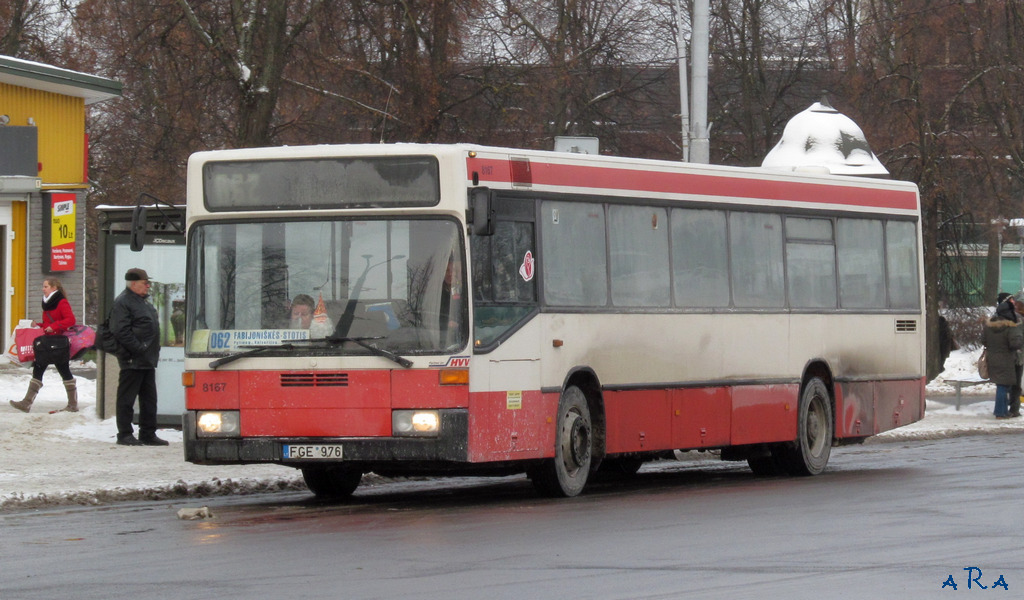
(332, 483)
(567, 473)
(809, 454)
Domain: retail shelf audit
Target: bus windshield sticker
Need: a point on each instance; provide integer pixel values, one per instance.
(526, 269)
(200, 340)
(230, 340)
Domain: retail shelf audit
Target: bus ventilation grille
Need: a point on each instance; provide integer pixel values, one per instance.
(906, 325)
(314, 379)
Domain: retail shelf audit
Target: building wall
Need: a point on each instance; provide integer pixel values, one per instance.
(19, 260)
(61, 124)
(61, 155)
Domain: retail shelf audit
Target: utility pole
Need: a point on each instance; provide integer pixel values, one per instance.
(684, 95)
(696, 146)
(700, 151)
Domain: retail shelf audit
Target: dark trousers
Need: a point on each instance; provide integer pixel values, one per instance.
(38, 367)
(134, 383)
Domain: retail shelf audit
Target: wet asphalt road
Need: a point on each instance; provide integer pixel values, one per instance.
(886, 520)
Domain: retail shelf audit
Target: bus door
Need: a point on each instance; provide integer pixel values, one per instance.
(506, 416)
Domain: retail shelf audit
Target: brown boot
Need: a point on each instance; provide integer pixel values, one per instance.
(30, 396)
(72, 390)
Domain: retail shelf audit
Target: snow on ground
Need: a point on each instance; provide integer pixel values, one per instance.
(71, 458)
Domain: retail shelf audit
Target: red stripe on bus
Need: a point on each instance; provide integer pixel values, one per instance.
(614, 178)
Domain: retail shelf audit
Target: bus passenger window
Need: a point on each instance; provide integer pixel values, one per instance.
(575, 256)
(700, 258)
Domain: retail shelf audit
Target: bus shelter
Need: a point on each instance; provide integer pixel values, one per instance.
(163, 258)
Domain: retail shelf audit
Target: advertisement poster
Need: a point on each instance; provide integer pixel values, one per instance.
(62, 232)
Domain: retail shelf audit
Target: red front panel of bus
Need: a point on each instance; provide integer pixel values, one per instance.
(419, 388)
(303, 404)
(321, 403)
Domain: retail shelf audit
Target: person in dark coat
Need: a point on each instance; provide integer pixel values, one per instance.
(946, 342)
(1003, 337)
(57, 318)
(1015, 391)
(135, 324)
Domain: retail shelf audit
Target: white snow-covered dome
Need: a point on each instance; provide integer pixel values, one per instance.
(823, 137)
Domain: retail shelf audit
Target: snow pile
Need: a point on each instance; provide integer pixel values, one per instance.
(961, 365)
(821, 136)
(72, 458)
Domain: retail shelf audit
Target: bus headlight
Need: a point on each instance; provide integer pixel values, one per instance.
(217, 423)
(415, 423)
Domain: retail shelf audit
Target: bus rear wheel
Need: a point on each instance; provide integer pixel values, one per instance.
(566, 474)
(332, 483)
(809, 454)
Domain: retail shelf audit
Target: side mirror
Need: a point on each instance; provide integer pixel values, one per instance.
(137, 238)
(481, 207)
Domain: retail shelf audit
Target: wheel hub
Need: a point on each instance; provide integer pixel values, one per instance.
(579, 441)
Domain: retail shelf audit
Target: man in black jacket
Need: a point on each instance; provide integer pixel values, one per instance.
(135, 324)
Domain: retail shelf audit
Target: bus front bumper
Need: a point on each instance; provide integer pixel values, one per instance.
(451, 445)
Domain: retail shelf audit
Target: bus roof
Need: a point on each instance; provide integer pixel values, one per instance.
(563, 172)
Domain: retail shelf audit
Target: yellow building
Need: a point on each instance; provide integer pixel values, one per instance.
(43, 180)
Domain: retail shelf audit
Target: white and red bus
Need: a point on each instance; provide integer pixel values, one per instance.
(491, 310)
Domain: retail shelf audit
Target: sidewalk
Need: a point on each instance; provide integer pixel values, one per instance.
(72, 458)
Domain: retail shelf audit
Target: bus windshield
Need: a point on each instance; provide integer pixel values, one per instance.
(397, 282)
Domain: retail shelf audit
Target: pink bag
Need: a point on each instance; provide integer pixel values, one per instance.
(82, 338)
(23, 338)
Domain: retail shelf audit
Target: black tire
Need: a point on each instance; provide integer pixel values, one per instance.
(566, 474)
(809, 454)
(765, 466)
(331, 483)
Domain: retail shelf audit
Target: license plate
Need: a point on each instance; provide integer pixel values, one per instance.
(311, 452)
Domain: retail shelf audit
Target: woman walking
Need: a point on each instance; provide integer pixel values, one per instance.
(1003, 337)
(57, 317)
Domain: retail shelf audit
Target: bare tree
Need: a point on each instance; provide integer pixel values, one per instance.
(766, 69)
(915, 88)
(578, 61)
(395, 68)
(252, 42)
(28, 28)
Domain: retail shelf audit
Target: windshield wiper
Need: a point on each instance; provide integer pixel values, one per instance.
(252, 350)
(363, 341)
